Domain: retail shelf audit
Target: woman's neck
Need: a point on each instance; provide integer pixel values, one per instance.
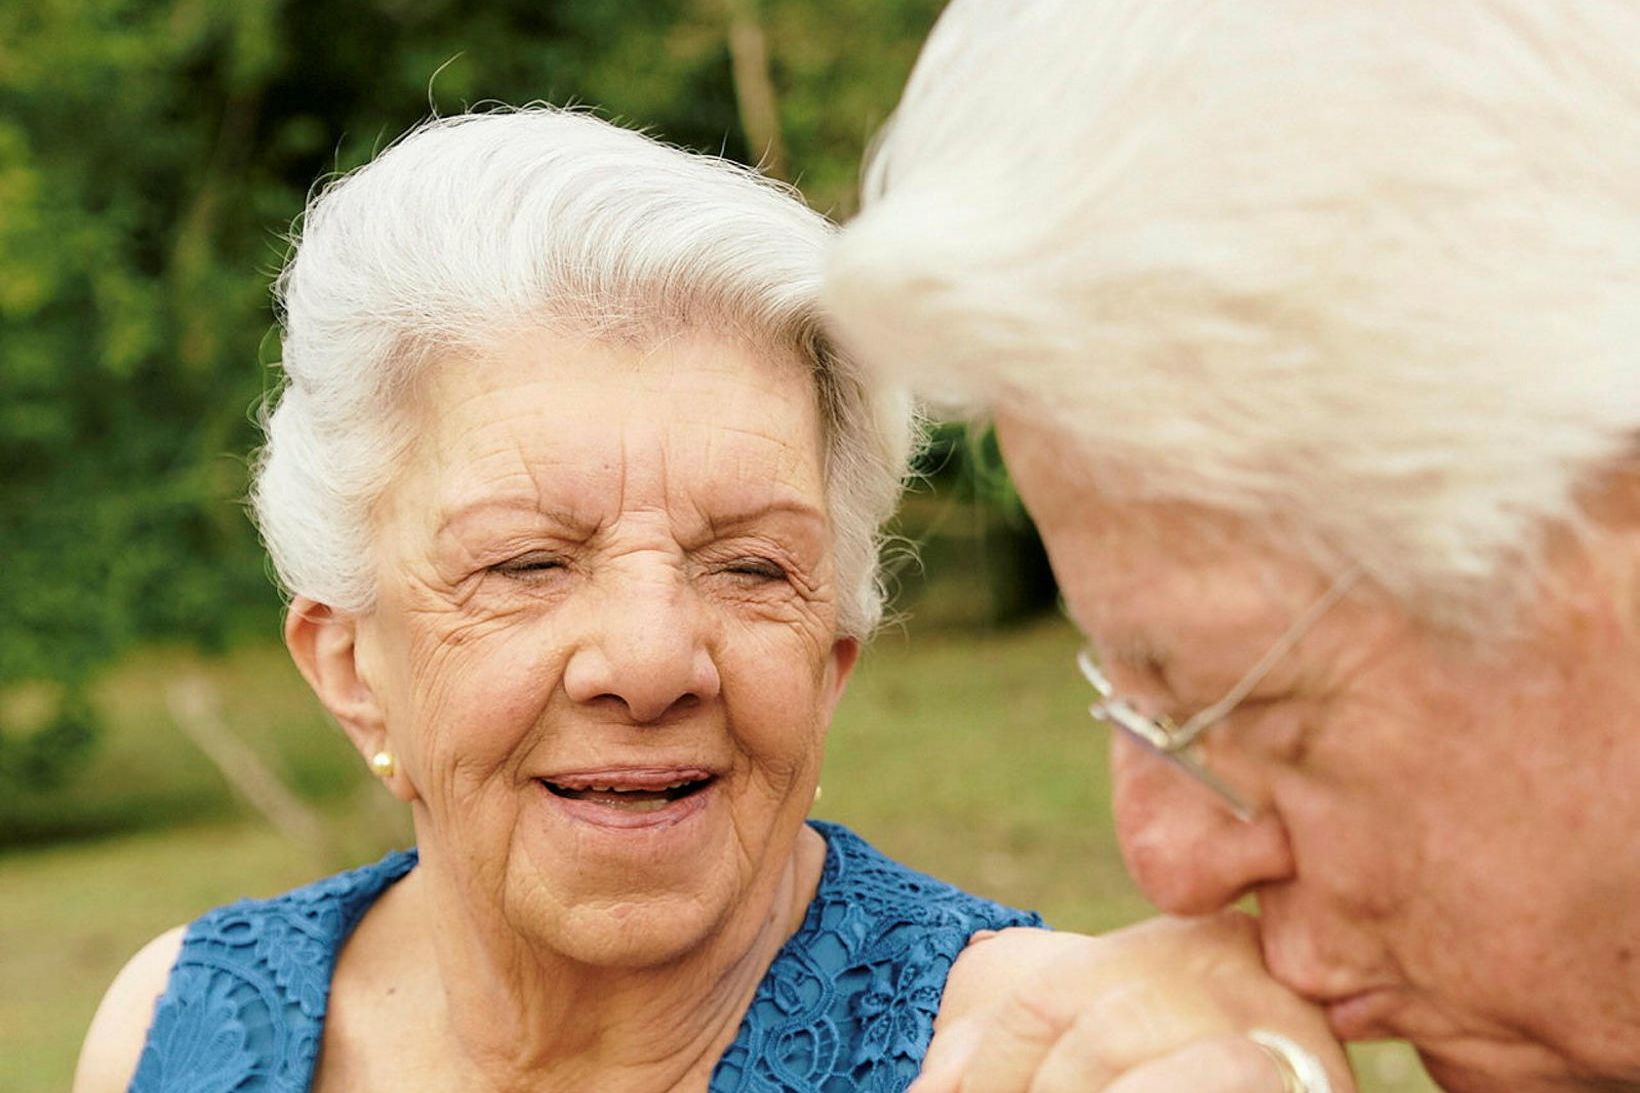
(506, 1014)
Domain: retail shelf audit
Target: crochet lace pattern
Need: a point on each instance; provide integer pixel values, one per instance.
(848, 1003)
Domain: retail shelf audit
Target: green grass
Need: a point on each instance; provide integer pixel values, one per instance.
(971, 757)
(145, 773)
(70, 916)
(968, 756)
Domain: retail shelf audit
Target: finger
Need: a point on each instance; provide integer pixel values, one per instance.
(1224, 1064)
(1127, 1026)
(947, 1057)
(1013, 1038)
(1080, 1060)
(1102, 1029)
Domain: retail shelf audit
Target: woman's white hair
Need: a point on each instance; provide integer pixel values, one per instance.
(473, 227)
(1366, 274)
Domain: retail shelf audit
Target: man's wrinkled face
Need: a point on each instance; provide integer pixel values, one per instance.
(606, 642)
(1445, 850)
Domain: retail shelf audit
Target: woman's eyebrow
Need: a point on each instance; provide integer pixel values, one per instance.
(733, 520)
(458, 518)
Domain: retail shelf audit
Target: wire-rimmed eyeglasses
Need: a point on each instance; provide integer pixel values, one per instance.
(1177, 742)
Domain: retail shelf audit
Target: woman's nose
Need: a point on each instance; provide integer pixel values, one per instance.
(644, 649)
(1184, 847)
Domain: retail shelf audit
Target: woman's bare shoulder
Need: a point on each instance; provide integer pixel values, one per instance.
(113, 1045)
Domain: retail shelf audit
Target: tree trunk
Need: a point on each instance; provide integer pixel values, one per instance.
(754, 87)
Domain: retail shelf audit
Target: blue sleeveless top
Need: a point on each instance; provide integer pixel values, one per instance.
(848, 1003)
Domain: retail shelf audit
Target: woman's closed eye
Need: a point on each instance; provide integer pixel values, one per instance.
(534, 566)
(754, 570)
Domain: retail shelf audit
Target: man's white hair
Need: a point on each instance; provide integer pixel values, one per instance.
(1366, 274)
(475, 227)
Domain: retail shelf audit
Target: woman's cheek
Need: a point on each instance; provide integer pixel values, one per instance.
(481, 698)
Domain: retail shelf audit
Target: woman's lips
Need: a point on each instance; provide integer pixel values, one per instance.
(630, 797)
(627, 777)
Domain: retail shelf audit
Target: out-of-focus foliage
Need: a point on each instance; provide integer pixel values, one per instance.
(152, 155)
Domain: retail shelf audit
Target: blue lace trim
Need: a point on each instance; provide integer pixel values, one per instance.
(245, 1006)
(848, 1003)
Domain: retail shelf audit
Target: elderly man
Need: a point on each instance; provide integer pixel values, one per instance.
(1310, 332)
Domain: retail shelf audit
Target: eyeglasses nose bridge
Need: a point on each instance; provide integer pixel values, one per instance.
(1152, 732)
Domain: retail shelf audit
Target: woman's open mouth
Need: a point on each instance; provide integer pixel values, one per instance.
(628, 797)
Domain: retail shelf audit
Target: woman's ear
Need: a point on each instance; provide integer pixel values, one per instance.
(845, 652)
(324, 643)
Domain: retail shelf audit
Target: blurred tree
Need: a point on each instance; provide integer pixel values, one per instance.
(152, 153)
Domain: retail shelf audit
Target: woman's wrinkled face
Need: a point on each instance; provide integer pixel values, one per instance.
(1446, 848)
(606, 647)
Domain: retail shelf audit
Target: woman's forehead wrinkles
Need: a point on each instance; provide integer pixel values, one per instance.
(789, 516)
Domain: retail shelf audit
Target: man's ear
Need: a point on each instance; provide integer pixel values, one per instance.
(324, 643)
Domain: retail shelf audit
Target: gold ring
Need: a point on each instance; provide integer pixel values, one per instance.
(1301, 1071)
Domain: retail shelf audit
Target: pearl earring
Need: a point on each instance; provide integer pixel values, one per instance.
(382, 765)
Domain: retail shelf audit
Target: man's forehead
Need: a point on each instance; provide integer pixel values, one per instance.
(1160, 608)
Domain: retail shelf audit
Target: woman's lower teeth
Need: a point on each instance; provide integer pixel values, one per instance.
(628, 802)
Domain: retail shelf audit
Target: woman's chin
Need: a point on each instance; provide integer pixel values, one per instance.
(630, 887)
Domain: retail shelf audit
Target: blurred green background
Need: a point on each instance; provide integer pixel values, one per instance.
(158, 754)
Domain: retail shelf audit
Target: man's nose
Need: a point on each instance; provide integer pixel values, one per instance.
(1184, 846)
(645, 648)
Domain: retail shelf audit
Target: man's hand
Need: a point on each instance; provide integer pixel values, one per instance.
(1162, 1007)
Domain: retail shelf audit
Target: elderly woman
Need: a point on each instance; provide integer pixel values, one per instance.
(579, 511)
(1310, 335)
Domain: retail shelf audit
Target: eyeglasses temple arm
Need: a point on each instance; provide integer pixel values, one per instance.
(1203, 719)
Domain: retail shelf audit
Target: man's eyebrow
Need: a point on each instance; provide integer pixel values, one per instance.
(1136, 654)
